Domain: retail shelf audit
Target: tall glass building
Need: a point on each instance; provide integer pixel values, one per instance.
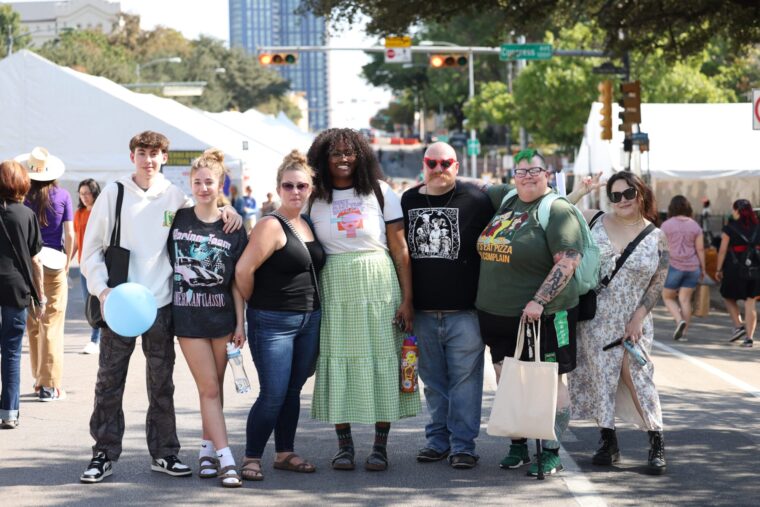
(256, 23)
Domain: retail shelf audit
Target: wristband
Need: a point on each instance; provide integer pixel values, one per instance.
(538, 301)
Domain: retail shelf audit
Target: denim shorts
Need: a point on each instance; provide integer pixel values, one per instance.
(681, 279)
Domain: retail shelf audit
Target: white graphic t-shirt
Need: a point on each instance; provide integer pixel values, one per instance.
(355, 223)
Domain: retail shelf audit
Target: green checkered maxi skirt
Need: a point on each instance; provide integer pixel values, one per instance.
(358, 378)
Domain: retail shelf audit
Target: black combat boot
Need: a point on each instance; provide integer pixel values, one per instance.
(657, 463)
(608, 453)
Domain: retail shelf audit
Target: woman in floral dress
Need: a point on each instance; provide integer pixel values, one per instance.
(611, 383)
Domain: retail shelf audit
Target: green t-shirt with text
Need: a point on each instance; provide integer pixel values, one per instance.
(516, 254)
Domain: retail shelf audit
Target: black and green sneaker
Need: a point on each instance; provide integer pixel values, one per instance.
(549, 462)
(518, 456)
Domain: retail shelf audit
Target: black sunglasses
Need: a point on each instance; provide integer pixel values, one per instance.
(629, 194)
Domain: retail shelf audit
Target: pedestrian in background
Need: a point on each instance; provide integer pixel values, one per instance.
(88, 193)
(278, 275)
(249, 209)
(21, 280)
(366, 295)
(207, 308)
(55, 213)
(269, 205)
(739, 269)
(623, 310)
(687, 263)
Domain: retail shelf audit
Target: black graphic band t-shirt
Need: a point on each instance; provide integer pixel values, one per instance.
(204, 258)
(442, 233)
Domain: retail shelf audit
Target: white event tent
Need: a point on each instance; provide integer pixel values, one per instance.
(88, 121)
(697, 150)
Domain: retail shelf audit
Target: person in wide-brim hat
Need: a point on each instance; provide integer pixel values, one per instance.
(42, 166)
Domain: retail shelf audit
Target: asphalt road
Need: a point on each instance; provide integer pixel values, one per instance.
(710, 396)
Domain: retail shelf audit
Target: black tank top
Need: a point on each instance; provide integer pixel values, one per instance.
(284, 282)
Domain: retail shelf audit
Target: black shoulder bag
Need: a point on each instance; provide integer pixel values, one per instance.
(24, 268)
(748, 270)
(587, 305)
(117, 264)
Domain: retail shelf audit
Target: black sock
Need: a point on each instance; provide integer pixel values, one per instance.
(520, 441)
(553, 451)
(381, 434)
(344, 435)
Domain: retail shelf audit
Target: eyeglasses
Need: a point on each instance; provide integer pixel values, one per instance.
(290, 186)
(533, 171)
(445, 163)
(342, 154)
(629, 194)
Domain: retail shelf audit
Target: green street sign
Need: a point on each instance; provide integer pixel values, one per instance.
(525, 52)
(473, 147)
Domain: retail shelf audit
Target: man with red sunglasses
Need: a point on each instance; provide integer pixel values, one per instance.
(443, 218)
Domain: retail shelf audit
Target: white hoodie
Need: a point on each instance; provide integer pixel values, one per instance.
(146, 217)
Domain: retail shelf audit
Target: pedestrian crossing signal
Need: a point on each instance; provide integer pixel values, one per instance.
(278, 58)
(448, 60)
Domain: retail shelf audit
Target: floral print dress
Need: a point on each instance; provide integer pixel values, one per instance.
(596, 390)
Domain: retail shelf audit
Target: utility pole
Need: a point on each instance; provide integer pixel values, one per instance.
(10, 40)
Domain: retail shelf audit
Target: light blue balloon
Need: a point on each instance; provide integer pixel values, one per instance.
(130, 309)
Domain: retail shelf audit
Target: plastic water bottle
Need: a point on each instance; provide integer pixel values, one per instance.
(409, 365)
(235, 358)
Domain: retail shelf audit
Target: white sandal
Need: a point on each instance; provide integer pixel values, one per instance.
(230, 477)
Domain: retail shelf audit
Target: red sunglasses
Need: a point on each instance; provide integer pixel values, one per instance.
(444, 163)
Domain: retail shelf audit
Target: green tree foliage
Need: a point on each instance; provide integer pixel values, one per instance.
(679, 28)
(494, 105)
(11, 32)
(91, 52)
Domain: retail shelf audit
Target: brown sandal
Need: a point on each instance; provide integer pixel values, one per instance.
(227, 473)
(208, 463)
(249, 473)
(287, 464)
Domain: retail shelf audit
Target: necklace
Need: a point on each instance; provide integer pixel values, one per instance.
(638, 221)
(453, 191)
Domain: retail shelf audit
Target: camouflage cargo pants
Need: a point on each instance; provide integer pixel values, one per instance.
(107, 421)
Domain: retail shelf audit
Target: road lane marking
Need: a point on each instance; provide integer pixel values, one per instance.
(730, 379)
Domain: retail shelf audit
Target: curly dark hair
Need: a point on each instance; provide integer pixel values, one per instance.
(644, 194)
(679, 206)
(366, 174)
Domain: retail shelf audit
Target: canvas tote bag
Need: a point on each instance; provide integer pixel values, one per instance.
(526, 398)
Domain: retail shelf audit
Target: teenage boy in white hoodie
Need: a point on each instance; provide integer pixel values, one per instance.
(150, 202)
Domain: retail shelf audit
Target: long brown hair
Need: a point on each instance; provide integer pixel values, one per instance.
(644, 194)
(39, 198)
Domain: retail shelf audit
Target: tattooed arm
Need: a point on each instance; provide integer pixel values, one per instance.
(560, 274)
(634, 329)
(400, 255)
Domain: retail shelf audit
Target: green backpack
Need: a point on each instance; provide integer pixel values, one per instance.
(587, 273)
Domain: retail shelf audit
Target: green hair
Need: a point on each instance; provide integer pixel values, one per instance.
(528, 154)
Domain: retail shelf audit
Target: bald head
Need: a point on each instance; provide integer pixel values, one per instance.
(441, 150)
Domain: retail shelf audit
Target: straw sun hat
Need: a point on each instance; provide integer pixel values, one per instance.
(41, 165)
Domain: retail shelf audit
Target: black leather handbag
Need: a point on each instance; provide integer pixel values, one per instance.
(117, 264)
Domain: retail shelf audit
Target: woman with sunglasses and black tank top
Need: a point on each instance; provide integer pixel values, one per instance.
(623, 311)
(277, 274)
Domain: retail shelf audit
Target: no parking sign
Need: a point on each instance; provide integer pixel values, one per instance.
(756, 109)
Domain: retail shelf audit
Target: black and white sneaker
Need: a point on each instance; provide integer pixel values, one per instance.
(739, 333)
(678, 333)
(98, 469)
(171, 465)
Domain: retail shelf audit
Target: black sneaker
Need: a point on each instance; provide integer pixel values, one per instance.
(428, 455)
(171, 465)
(739, 333)
(747, 343)
(98, 469)
(678, 334)
(462, 460)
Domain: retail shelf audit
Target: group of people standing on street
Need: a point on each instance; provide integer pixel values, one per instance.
(332, 282)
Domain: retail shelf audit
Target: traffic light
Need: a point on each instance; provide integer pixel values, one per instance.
(278, 59)
(605, 97)
(448, 60)
(630, 105)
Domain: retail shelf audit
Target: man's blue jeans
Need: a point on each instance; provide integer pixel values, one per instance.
(451, 367)
(12, 325)
(284, 347)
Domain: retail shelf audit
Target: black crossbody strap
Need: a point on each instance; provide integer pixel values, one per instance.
(626, 253)
(595, 219)
(116, 232)
(24, 267)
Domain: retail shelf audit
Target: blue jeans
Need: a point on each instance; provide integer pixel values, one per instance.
(451, 367)
(95, 334)
(284, 347)
(12, 325)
